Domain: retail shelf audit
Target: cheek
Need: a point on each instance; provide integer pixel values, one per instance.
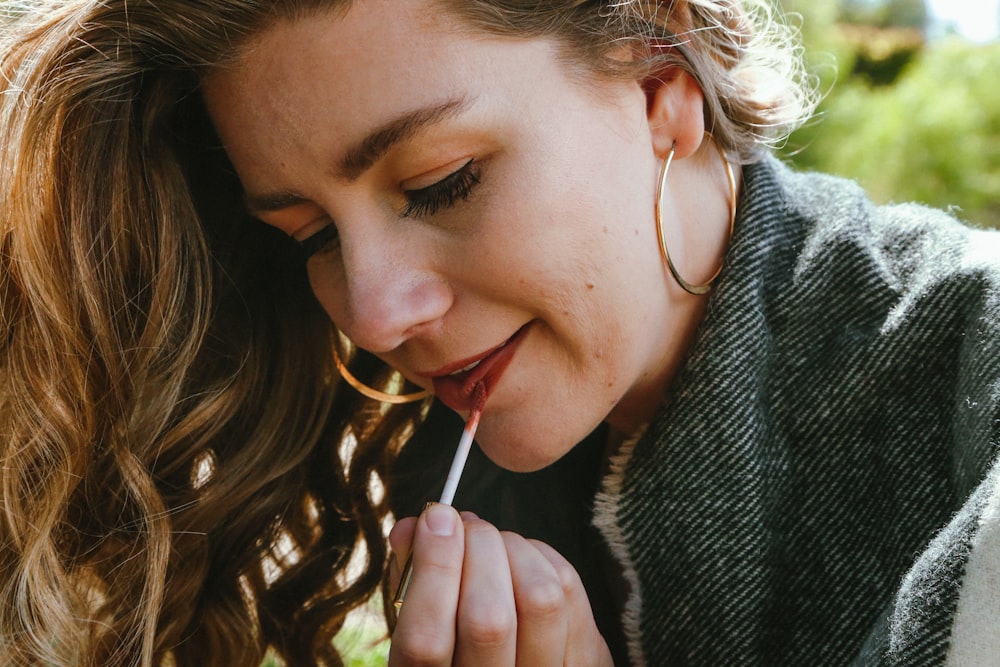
(560, 244)
(327, 286)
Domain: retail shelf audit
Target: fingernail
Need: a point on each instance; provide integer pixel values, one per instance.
(440, 519)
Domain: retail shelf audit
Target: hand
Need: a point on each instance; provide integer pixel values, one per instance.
(479, 597)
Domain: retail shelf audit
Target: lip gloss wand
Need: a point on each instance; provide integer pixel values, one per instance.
(451, 483)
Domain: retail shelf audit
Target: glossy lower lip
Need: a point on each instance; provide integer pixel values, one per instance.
(456, 391)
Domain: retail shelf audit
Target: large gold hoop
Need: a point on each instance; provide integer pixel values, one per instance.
(372, 392)
(691, 288)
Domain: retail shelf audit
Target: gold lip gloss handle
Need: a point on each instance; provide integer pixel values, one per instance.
(404, 579)
(404, 584)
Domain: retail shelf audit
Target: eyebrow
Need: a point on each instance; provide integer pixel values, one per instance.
(366, 152)
(362, 155)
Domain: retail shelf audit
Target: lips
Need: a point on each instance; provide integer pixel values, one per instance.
(455, 387)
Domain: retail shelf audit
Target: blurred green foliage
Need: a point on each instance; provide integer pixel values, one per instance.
(360, 645)
(883, 13)
(363, 644)
(910, 120)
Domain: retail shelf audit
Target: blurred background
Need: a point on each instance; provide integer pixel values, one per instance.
(912, 99)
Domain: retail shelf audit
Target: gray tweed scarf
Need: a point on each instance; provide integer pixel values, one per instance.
(820, 486)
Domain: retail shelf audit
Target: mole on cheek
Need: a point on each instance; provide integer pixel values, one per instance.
(590, 285)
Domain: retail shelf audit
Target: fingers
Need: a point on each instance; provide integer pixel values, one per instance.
(479, 597)
(522, 604)
(541, 604)
(425, 630)
(400, 539)
(584, 643)
(487, 616)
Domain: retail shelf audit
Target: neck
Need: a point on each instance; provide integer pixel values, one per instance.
(704, 204)
(646, 397)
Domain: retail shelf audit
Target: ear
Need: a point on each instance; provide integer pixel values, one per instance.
(675, 112)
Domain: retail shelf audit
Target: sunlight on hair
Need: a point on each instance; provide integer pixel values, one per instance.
(204, 469)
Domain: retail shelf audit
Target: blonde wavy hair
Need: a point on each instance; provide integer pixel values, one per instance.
(183, 482)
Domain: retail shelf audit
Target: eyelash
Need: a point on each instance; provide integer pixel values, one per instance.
(319, 241)
(424, 202)
(444, 194)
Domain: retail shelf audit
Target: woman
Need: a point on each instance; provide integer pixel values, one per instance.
(529, 201)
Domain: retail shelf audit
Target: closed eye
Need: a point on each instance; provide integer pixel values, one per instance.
(444, 194)
(324, 239)
(455, 187)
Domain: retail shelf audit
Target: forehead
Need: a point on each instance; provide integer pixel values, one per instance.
(305, 92)
(355, 42)
(325, 81)
(372, 45)
(330, 70)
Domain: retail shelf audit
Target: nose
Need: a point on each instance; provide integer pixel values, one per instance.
(391, 289)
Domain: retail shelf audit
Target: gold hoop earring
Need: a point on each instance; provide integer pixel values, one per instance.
(371, 392)
(690, 288)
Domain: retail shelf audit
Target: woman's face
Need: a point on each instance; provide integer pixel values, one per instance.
(469, 199)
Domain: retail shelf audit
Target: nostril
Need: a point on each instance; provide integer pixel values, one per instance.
(380, 320)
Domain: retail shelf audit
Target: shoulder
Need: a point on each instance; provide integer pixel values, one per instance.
(908, 244)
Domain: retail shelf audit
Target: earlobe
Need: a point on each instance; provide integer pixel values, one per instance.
(675, 113)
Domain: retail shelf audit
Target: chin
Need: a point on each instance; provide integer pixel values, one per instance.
(518, 453)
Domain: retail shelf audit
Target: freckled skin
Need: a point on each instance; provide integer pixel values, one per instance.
(559, 176)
